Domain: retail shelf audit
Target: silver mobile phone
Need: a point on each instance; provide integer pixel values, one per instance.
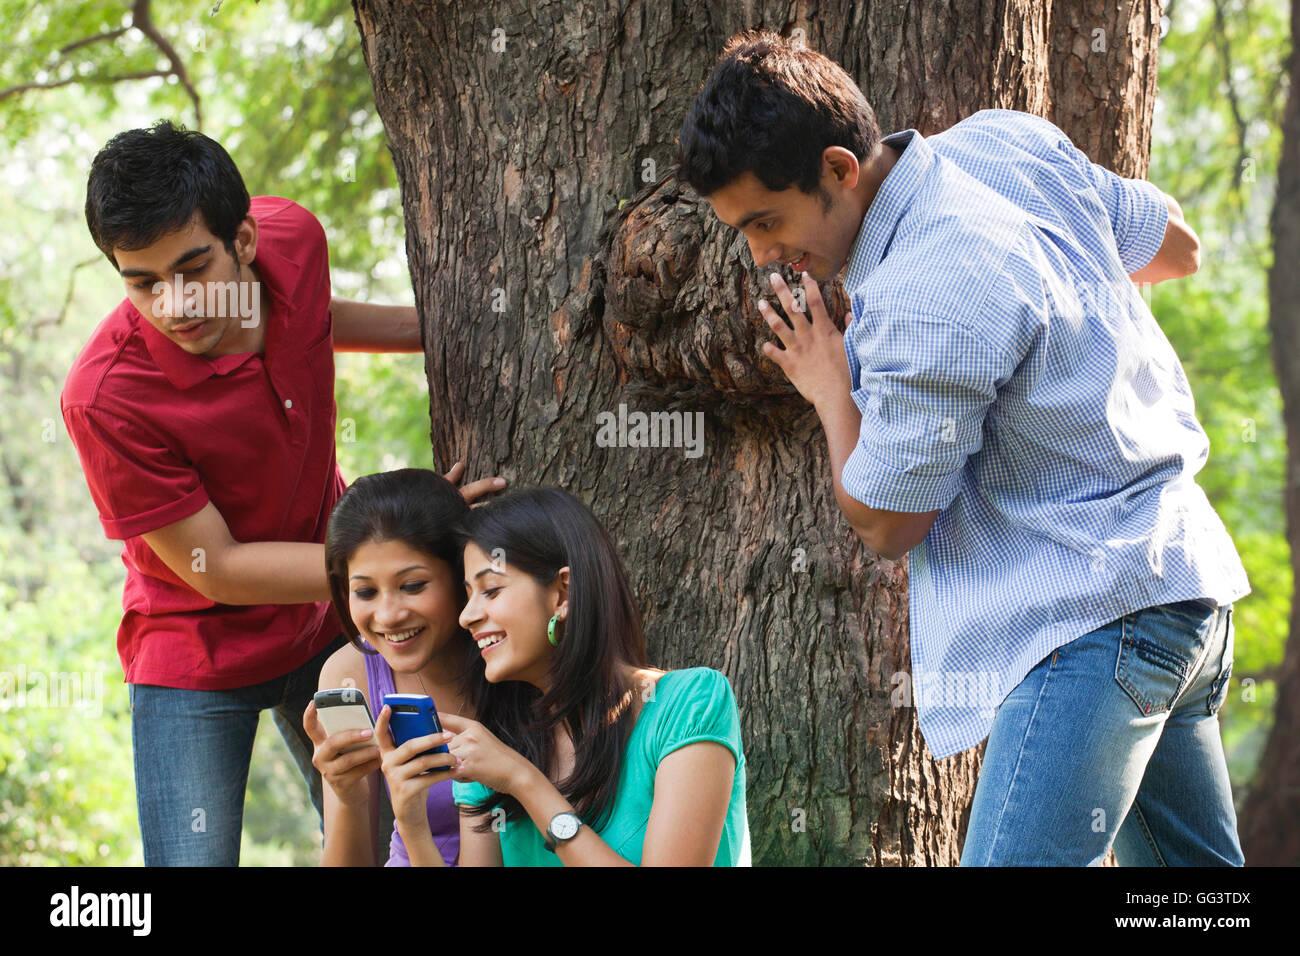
(344, 708)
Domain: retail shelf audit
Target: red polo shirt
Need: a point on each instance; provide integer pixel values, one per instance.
(161, 432)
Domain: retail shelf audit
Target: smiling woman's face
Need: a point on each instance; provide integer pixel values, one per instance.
(506, 613)
(404, 602)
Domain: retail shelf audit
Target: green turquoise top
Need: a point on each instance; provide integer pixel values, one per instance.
(687, 706)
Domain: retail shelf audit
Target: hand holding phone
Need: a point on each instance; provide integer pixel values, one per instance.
(342, 710)
(409, 717)
(412, 716)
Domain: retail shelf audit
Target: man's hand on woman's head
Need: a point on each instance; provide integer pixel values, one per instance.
(475, 489)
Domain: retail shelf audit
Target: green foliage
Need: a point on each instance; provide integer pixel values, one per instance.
(65, 751)
(281, 827)
(383, 414)
(285, 90)
(1216, 143)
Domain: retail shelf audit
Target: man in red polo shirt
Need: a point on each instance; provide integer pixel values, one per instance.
(203, 412)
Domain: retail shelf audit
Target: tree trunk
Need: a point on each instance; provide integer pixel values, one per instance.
(1270, 836)
(517, 133)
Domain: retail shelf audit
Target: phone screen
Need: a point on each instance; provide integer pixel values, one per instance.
(344, 708)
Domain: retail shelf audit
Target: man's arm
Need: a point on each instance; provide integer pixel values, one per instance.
(1180, 252)
(1152, 237)
(201, 552)
(891, 534)
(813, 359)
(361, 327)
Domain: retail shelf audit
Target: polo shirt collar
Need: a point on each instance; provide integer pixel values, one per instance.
(890, 204)
(279, 275)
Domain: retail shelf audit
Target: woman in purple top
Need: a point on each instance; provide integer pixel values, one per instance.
(444, 821)
(395, 575)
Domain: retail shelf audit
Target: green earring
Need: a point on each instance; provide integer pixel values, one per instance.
(550, 630)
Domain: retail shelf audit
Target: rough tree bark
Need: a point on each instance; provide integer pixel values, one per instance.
(1270, 836)
(516, 134)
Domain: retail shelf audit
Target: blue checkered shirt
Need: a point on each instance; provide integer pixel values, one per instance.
(1010, 376)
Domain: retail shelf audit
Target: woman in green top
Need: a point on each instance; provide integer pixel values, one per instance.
(583, 755)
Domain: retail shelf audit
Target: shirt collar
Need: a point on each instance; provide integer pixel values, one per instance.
(279, 277)
(890, 204)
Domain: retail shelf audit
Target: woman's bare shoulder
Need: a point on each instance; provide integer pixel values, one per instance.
(346, 667)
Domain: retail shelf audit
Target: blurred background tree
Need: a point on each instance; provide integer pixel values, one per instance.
(284, 88)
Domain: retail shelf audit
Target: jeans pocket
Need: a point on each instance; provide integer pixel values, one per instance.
(1219, 690)
(1159, 647)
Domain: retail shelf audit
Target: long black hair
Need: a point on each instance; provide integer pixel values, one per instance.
(419, 508)
(540, 531)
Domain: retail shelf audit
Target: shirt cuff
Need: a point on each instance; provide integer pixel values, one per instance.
(877, 486)
(120, 529)
(706, 738)
(1147, 225)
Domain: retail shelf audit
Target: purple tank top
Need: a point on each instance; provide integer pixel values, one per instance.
(444, 819)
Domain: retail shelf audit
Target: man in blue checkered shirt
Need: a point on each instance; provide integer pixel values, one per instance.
(1004, 409)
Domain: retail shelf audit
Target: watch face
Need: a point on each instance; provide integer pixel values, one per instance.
(565, 827)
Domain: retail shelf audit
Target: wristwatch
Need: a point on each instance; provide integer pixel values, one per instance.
(562, 828)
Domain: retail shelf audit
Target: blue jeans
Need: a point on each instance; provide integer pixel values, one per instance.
(192, 750)
(1113, 740)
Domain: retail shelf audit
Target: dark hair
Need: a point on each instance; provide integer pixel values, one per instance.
(771, 107)
(146, 183)
(419, 508)
(542, 530)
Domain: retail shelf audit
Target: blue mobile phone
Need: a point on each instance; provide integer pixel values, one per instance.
(413, 715)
